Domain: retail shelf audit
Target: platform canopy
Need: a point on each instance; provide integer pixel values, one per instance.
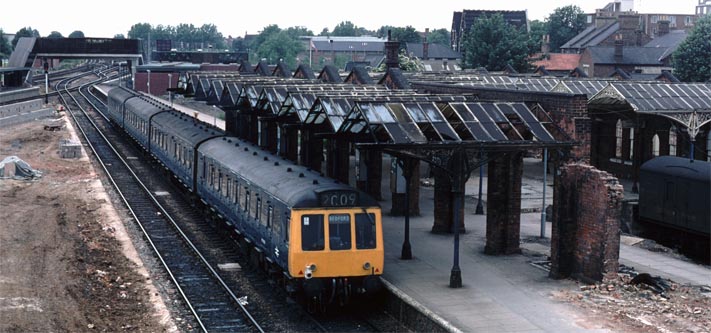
(688, 104)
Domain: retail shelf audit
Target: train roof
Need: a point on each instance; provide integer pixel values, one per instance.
(295, 185)
(145, 107)
(679, 167)
(120, 94)
(187, 128)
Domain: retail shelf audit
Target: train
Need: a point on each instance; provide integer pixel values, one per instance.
(321, 238)
(674, 201)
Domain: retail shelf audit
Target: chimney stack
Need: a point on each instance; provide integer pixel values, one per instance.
(426, 46)
(546, 44)
(391, 56)
(619, 45)
(663, 28)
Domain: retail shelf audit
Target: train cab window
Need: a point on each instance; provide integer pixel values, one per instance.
(339, 231)
(312, 238)
(365, 231)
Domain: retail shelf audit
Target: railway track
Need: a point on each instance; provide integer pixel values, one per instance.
(214, 305)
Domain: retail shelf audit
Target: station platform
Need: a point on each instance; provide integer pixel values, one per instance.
(500, 293)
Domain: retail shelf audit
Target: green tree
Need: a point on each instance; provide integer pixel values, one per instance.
(186, 35)
(296, 32)
(346, 28)
(403, 35)
(280, 46)
(76, 34)
(692, 60)
(492, 43)
(5, 47)
(406, 62)
(563, 24)
(139, 31)
(24, 32)
(324, 32)
(267, 32)
(238, 44)
(535, 35)
(440, 36)
(211, 37)
(55, 34)
(119, 36)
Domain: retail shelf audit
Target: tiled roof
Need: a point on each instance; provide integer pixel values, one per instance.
(435, 51)
(591, 36)
(631, 55)
(557, 61)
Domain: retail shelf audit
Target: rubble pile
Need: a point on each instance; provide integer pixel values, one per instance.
(643, 303)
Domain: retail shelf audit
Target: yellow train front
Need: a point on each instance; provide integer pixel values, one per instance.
(322, 238)
(336, 254)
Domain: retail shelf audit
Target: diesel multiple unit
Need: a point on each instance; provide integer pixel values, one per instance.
(324, 237)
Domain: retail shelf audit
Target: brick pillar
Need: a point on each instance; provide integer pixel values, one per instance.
(585, 241)
(231, 122)
(375, 174)
(291, 135)
(371, 173)
(314, 151)
(253, 129)
(342, 161)
(413, 186)
(443, 202)
(271, 136)
(503, 204)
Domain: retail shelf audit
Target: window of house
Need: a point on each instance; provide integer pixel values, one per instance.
(672, 141)
(631, 143)
(618, 139)
(655, 145)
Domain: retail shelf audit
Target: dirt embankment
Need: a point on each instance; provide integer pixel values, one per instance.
(66, 263)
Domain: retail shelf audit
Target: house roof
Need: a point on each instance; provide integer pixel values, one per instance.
(670, 42)
(435, 51)
(631, 55)
(557, 61)
(348, 44)
(591, 36)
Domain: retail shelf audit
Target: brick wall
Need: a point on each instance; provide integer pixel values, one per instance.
(585, 241)
(159, 82)
(503, 204)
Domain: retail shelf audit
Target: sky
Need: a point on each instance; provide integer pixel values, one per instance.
(235, 18)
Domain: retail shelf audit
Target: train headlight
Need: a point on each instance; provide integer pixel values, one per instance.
(366, 266)
(311, 267)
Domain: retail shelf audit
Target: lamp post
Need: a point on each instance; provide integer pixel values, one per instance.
(170, 88)
(545, 184)
(148, 84)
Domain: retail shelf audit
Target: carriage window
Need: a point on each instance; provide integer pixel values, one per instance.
(339, 231)
(219, 181)
(270, 214)
(365, 231)
(246, 201)
(655, 145)
(312, 233)
(227, 193)
(258, 209)
(204, 168)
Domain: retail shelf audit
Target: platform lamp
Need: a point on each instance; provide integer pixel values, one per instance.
(480, 205)
(148, 84)
(46, 81)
